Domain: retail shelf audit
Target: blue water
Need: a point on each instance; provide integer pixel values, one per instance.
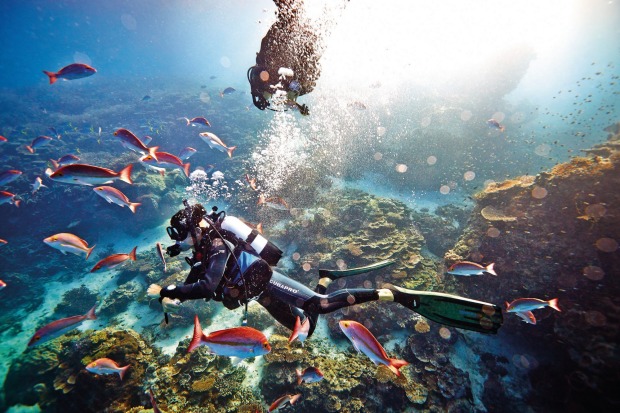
(399, 112)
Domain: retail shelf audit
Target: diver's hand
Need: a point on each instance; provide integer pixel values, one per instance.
(153, 291)
(171, 305)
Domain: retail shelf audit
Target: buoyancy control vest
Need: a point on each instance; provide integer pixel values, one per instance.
(248, 270)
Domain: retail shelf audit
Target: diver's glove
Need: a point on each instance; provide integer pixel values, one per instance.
(170, 305)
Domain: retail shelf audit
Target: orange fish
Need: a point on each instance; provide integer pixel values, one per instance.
(114, 196)
(66, 242)
(528, 304)
(7, 197)
(71, 72)
(115, 259)
(282, 401)
(251, 181)
(38, 142)
(82, 174)
(241, 342)
(107, 366)
(365, 342)
(215, 142)
(2, 284)
(274, 202)
(59, 327)
(300, 331)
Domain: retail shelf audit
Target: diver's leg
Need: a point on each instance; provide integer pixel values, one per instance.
(298, 295)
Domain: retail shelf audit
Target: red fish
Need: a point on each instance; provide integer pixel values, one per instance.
(66, 242)
(241, 342)
(526, 316)
(466, 269)
(7, 197)
(2, 284)
(3, 139)
(107, 366)
(197, 121)
(114, 196)
(529, 304)
(309, 375)
(130, 141)
(153, 403)
(251, 181)
(82, 174)
(215, 142)
(59, 327)
(492, 123)
(71, 72)
(273, 202)
(38, 142)
(9, 176)
(160, 254)
(366, 343)
(65, 160)
(282, 401)
(166, 160)
(300, 331)
(3, 242)
(115, 259)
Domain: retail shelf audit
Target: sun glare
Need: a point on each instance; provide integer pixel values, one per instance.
(431, 41)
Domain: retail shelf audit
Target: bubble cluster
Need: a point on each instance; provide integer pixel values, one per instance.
(205, 189)
(431, 160)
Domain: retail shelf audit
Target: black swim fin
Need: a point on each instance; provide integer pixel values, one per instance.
(335, 274)
(452, 310)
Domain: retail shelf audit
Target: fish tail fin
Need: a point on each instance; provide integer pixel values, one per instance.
(261, 200)
(230, 151)
(48, 172)
(502, 128)
(186, 169)
(490, 269)
(198, 335)
(17, 202)
(132, 254)
(52, 76)
(90, 315)
(30, 148)
(162, 171)
(123, 370)
(125, 174)
(89, 251)
(554, 304)
(55, 164)
(153, 152)
(133, 206)
(395, 365)
(299, 379)
(296, 330)
(187, 120)
(507, 305)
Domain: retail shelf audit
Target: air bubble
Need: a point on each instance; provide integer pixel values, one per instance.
(431, 160)
(444, 189)
(499, 116)
(593, 272)
(225, 61)
(542, 150)
(539, 192)
(493, 232)
(469, 175)
(306, 266)
(466, 115)
(381, 131)
(378, 156)
(296, 256)
(607, 244)
(401, 168)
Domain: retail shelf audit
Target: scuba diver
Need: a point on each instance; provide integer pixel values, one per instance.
(287, 65)
(232, 263)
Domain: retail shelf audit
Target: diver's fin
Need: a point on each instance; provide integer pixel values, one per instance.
(334, 274)
(452, 310)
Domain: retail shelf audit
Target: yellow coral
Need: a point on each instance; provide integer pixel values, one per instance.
(422, 326)
(203, 385)
(493, 214)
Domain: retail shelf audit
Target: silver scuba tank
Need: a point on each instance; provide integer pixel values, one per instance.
(267, 250)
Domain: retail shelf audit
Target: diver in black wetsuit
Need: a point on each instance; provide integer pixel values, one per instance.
(288, 61)
(233, 264)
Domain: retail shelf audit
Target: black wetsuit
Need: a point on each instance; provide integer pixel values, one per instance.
(285, 299)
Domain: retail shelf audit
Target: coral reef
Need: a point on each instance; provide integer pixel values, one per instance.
(561, 241)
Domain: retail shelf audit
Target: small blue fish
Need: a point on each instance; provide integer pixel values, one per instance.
(467, 269)
(492, 123)
(309, 375)
(186, 153)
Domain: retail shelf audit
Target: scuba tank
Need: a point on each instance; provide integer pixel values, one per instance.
(267, 250)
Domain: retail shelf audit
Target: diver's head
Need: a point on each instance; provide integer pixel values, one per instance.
(259, 84)
(184, 221)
